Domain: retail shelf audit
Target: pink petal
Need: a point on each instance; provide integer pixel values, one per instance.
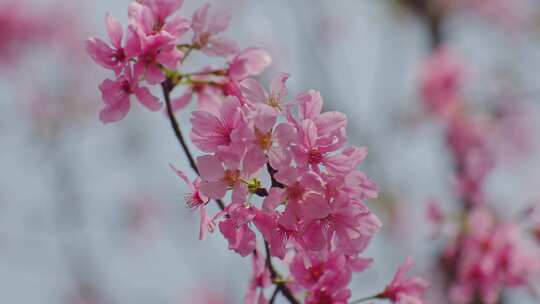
(164, 8)
(213, 189)
(177, 26)
(285, 134)
(330, 122)
(253, 91)
(249, 62)
(183, 176)
(141, 16)
(133, 42)
(112, 92)
(100, 52)
(278, 87)
(310, 104)
(279, 158)
(198, 21)
(114, 30)
(153, 75)
(274, 199)
(218, 23)
(210, 168)
(148, 100)
(315, 206)
(169, 57)
(254, 160)
(114, 112)
(203, 223)
(220, 46)
(265, 121)
(182, 101)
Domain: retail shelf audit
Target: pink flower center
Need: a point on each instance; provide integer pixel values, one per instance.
(315, 157)
(158, 26)
(273, 101)
(536, 232)
(204, 38)
(126, 87)
(322, 297)
(148, 58)
(231, 177)
(224, 133)
(264, 139)
(295, 191)
(316, 272)
(119, 55)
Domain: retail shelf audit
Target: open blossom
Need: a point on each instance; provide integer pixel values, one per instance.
(207, 28)
(441, 81)
(151, 18)
(403, 290)
(255, 92)
(117, 57)
(236, 229)
(494, 256)
(195, 199)
(211, 131)
(156, 51)
(247, 63)
(116, 95)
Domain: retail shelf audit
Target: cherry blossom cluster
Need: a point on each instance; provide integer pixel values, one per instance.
(279, 167)
(486, 253)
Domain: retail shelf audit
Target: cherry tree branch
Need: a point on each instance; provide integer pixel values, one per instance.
(277, 279)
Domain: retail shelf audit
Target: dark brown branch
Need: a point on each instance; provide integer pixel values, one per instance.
(281, 286)
(274, 295)
(167, 87)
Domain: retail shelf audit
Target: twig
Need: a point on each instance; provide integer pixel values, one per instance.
(281, 286)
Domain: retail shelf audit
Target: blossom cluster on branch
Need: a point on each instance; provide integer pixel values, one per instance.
(486, 252)
(311, 213)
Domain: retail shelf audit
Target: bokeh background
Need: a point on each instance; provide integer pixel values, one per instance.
(92, 213)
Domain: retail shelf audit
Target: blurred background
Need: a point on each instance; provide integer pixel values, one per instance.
(91, 213)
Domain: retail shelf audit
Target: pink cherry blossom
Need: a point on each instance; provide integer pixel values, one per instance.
(236, 229)
(195, 199)
(255, 93)
(249, 62)
(150, 18)
(207, 28)
(211, 131)
(403, 290)
(116, 95)
(351, 222)
(116, 57)
(494, 255)
(441, 81)
(155, 51)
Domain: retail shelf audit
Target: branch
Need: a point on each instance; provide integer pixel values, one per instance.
(281, 286)
(274, 295)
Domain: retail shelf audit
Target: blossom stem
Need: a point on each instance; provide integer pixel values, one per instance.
(221, 72)
(281, 286)
(365, 299)
(274, 295)
(167, 86)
